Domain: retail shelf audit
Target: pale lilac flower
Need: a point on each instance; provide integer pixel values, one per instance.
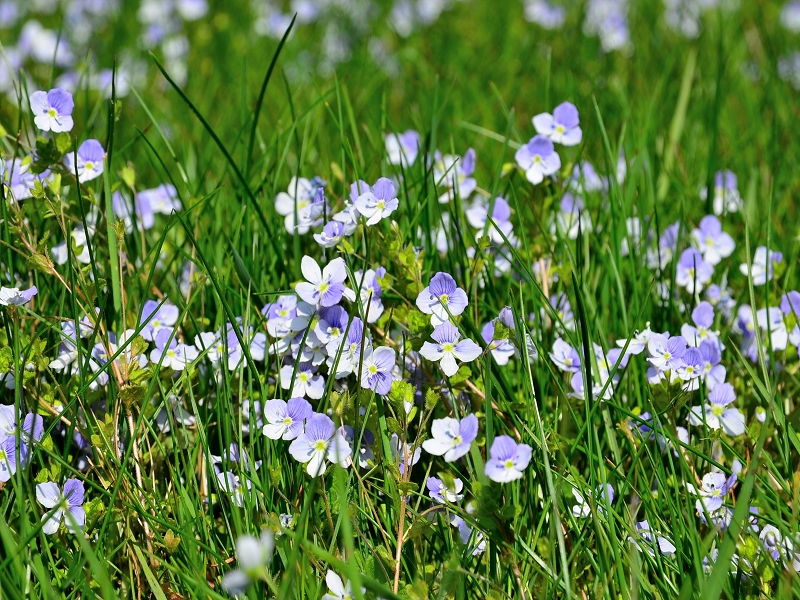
(319, 441)
(538, 159)
(234, 486)
(650, 541)
(703, 319)
(351, 351)
(726, 194)
(90, 161)
(451, 438)
(52, 110)
(584, 179)
(562, 127)
(170, 353)
(302, 206)
(306, 381)
(286, 316)
(691, 369)
(565, 356)
(545, 14)
(600, 496)
(448, 348)
(500, 229)
(713, 489)
(370, 291)
(155, 318)
(13, 439)
(666, 353)
(713, 243)
(403, 149)
(379, 202)
(782, 323)
(234, 455)
(323, 287)
(502, 350)
(365, 455)
(332, 234)
(572, 219)
(402, 454)
(252, 555)
(455, 173)
(790, 16)
(440, 493)
(285, 420)
(713, 372)
(638, 342)
(693, 272)
(337, 590)
(465, 533)
(660, 256)
(715, 415)
(507, 459)
(441, 299)
(377, 370)
(331, 327)
(763, 263)
(68, 505)
(16, 297)
(162, 199)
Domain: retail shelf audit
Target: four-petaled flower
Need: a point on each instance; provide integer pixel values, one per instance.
(379, 202)
(285, 419)
(52, 110)
(507, 459)
(451, 438)
(448, 348)
(562, 126)
(442, 299)
(319, 441)
(538, 159)
(323, 287)
(67, 505)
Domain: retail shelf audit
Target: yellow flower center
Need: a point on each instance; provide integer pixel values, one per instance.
(448, 347)
(509, 464)
(52, 112)
(320, 445)
(88, 165)
(717, 410)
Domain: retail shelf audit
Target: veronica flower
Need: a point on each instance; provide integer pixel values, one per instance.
(234, 455)
(16, 297)
(666, 353)
(156, 318)
(451, 438)
(285, 419)
(638, 342)
(370, 291)
(507, 459)
(403, 149)
(499, 229)
(52, 110)
(171, 354)
(448, 348)
(538, 159)
(602, 495)
(563, 310)
(337, 590)
(319, 441)
(377, 370)
(693, 272)
(350, 357)
(713, 489)
(782, 322)
(440, 493)
(287, 316)
(762, 266)
(332, 234)
(442, 299)
(323, 287)
(379, 202)
(691, 369)
(301, 206)
(650, 541)
(713, 372)
(584, 179)
(660, 256)
(306, 382)
(726, 194)
(232, 484)
(364, 452)
(330, 327)
(572, 218)
(703, 319)
(161, 200)
(502, 349)
(713, 243)
(562, 127)
(68, 505)
(715, 415)
(252, 555)
(545, 14)
(12, 440)
(90, 161)
(565, 356)
(465, 533)
(455, 173)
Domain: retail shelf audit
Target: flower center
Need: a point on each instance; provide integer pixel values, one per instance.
(320, 445)
(509, 464)
(288, 421)
(88, 165)
(537, 158)
(447, 347)
(52, 112)
(560, 129)
(373, 369)
(717, 410)
(171, 353)
(457, 441)
(324, 287)
(381, 204)
(444, 299)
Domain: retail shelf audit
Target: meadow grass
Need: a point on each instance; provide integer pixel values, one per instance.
(159, 523)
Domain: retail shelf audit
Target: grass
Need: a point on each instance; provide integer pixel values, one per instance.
(158, 522)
